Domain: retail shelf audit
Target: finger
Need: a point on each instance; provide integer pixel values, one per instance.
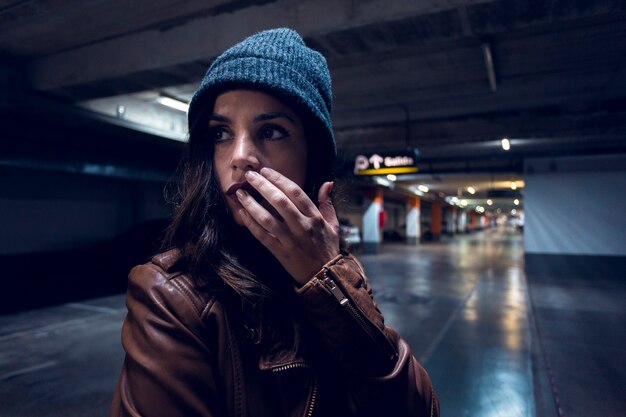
(266, 238)
(258, 213)
(291, 190)
(326, 206)
(276, 197)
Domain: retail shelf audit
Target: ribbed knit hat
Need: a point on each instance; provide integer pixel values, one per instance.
(278, 62)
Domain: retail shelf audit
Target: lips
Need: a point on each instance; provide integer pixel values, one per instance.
(232, 191)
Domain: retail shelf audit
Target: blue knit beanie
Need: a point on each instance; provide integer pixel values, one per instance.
(278, 62)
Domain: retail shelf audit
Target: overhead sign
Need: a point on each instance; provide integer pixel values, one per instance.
(402, 162)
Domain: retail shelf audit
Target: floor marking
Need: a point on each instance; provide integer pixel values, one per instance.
(98, 309)
(53, 327)
(437, 340)
(23, 371)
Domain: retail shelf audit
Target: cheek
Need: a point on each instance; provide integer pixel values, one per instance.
(219, 170)
(294, 163)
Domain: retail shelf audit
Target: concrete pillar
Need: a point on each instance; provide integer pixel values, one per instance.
(462, 221)
(450, 218)
(373, 206)
(435, 220)
(413, 232)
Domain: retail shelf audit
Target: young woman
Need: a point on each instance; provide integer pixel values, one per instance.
(255, 309)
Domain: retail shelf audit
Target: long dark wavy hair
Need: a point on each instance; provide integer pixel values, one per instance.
(202, 226)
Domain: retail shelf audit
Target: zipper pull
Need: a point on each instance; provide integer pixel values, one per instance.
(334, 289)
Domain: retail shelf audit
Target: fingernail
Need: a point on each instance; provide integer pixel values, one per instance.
(266, 171)
(252, 174)
(241, 193)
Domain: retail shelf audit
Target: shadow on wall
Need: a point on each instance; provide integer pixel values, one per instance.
(40, 279)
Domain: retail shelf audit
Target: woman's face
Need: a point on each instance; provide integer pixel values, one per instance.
(252, 130)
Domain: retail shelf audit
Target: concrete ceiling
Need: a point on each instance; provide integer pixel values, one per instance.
(450, 77)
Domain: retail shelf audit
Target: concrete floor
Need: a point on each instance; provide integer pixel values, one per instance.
(463, 305)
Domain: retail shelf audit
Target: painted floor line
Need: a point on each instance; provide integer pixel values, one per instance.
(27, 370)
(53, 327)
(98, 309)
(437, 340)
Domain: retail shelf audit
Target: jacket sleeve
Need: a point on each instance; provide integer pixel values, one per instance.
(385, 377)
(168, 369)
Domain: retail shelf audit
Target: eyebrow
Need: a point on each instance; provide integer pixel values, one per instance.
(260, 118)
(218, 118)
(273, 115)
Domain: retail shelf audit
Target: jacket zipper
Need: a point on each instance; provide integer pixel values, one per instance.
(312, 391)
(356, 314)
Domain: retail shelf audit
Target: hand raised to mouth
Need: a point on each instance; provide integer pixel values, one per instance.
(304, 238)
(232, 191)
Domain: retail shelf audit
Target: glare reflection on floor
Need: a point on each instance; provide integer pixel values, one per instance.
(462, 306)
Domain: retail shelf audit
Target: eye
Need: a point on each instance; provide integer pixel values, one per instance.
(218, 134)
(273, 132)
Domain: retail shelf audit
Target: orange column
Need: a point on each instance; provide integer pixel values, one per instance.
(472, 221)
(435, 219)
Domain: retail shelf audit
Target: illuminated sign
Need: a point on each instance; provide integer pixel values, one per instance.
(403, 162)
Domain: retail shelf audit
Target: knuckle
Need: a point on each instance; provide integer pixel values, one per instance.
(282, 201)
(266, 221)
(317, 222)
(308, 229)
(295, 191)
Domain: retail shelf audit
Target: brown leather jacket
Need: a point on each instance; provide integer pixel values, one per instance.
(186, 356)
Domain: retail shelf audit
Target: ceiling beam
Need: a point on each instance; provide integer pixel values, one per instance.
(206, 37)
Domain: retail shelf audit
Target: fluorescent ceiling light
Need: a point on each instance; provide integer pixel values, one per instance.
(506, 144)
(422, 188)
(391, 177)
(172, 103)
(471, 190)
(382, 181)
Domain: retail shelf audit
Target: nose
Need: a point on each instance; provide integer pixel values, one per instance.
(246, 155)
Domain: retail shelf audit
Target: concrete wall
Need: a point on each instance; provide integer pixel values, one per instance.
(576, 206)
(575, 224)
(42, 211)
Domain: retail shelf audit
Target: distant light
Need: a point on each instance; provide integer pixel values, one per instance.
(120, 111)
(513, 185)
(516, 202)
(471, 190)
(423, 188)
(480, 209)
(382, 181)
(506, 144)
(391, 177)
(489, 202)
(498, 211)
(464, 203)
(513, 211)
(174, 104)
